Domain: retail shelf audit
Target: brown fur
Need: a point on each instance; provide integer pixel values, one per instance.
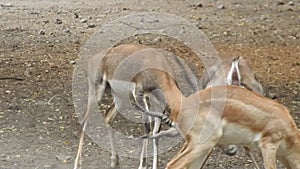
(160, 75)
(278, 134)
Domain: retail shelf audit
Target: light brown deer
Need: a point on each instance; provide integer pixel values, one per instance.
(140, 70)
(238, 72)
(246, 119)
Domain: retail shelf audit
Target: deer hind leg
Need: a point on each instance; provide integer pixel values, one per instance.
(93, 98)
(77, 162)
(249, 153)
(114, 154)
(268, 151)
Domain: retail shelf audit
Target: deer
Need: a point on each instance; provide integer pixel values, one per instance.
(153, 71)
(239, 73)
(246, 118)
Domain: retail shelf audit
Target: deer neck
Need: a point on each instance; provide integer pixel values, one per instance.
(174, 99)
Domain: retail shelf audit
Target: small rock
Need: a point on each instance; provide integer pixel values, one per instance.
(199, 5)
(221, 7)
(280, 2)
(72, 62)
(272, 95)
(7, 91)
(195, 6)
(76, 15)
(291, 3)
(41, 32)
(83, 20)
(66, 30)
(91, 26)
(63, 157)
(58, 21)
(6, 5)
(45, 21)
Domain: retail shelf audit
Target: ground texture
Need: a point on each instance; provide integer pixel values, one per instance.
(40, 42)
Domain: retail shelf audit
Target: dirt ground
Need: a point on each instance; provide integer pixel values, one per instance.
(40, 42)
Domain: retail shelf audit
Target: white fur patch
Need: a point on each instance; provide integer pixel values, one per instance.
(238, 135)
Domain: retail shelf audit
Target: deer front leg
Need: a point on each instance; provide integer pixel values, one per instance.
(192, 156)
(141, 100)
(157, 124)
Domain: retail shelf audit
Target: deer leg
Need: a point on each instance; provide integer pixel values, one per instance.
(77, 162)
(249, 153)
(192, 156)
(114, 154)
(141, 100)
(93, 97)
(157, 125)
(268, 151)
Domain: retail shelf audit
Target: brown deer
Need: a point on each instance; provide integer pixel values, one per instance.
(141, 70)
(245, 118)
(238, 72)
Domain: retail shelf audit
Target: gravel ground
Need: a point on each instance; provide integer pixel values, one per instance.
(39, 46)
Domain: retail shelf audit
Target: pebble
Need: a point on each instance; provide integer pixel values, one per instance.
(72, 62)
(291, 3)
(41, 32)
(91, 26)
(76, 15)
(221, 7)
(58, 21)
(63, 157)
(66, 30)
(199, 5)
(272, 95)
(83, 20)
(280, 2)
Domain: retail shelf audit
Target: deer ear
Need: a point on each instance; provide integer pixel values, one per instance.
(234, 76)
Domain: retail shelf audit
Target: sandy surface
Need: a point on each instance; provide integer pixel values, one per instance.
(39, 127)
